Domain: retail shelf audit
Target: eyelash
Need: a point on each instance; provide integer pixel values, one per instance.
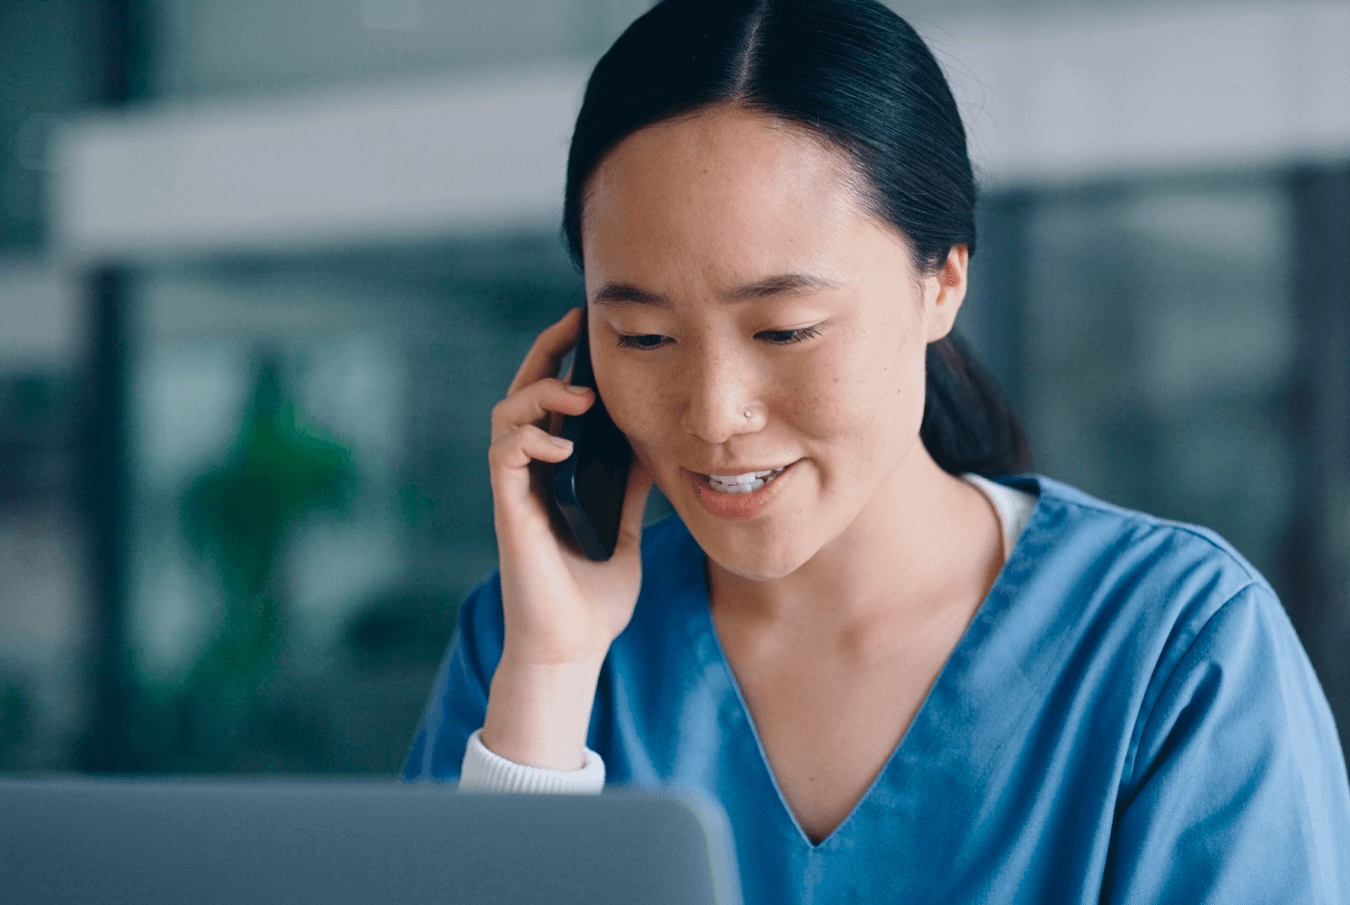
(792, 336)
(635, 341)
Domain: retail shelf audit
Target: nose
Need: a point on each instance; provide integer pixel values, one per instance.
(721, 396)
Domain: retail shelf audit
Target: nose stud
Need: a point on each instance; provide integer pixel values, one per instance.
(747, 414)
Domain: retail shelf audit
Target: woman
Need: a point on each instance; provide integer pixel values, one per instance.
(902, 680)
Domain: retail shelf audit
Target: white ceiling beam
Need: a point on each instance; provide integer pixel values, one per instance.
(1046, 100)
(385, 162)
(1122, 91)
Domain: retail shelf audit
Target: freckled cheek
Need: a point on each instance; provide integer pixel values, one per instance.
(640, 409)
(853, 419)
(811, 411)
(828, 403)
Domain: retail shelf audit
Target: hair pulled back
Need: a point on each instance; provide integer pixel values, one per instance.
(858, 75)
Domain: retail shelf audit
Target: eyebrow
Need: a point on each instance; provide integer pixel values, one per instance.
(771, 287)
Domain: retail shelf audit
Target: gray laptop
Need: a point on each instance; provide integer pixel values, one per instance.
(146, 842)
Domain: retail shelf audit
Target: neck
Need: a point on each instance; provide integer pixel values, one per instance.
(925, 541)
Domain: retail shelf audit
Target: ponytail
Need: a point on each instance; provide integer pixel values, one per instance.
(967, 425)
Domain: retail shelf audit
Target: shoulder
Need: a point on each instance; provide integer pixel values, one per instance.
(1138, 606)
(1059, 493)
(1096, 519)
(1126, 559)
(1176, 607)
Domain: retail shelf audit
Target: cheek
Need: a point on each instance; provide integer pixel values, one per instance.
(636, 403)
(854, 393)
(860, 410)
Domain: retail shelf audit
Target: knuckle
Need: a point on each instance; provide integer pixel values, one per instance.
(506, 414)
(500, 453)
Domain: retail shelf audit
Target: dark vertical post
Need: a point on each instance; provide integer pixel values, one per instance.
(105, 745)
(1316, 563)
(106, 482)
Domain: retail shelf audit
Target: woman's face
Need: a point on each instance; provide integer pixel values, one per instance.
(731, 269)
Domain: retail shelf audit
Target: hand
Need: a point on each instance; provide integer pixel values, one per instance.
(561, 610)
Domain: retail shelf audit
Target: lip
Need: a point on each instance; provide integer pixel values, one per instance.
(736, 506)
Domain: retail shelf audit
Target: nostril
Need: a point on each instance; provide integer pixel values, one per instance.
(716, 420)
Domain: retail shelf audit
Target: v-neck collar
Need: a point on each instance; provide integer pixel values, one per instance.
(947, 687)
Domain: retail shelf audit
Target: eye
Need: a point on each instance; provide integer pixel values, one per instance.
(787, 337)
(640, 340)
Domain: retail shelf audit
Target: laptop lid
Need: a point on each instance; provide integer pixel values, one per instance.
(146, 842)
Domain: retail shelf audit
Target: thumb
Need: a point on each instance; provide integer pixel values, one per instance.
(634, 505)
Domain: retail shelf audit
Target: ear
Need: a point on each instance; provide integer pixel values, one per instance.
(944, 291)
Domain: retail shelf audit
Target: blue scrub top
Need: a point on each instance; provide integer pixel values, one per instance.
(1128, 718)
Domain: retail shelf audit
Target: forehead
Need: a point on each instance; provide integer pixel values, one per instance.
(705, 134)
(716, 182)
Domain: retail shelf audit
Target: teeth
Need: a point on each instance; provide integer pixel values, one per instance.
(743, 483)
(740, 478)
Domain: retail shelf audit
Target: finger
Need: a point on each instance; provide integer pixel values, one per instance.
(548, 351)
(634, 505)
(514, 451)
(536, 401)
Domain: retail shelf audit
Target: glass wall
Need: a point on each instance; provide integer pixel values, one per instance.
(1158, 331)
(310, 491)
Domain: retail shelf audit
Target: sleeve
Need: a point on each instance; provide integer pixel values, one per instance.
(1238, 792)
(483, 771)
(459, 695)
(446, 746)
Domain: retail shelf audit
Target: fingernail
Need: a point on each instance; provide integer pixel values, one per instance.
(579, 390)
(561, 442)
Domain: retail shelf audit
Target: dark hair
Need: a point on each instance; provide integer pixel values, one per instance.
(856, 74)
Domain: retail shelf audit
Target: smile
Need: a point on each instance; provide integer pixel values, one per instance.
(742, 483)
(740, 496)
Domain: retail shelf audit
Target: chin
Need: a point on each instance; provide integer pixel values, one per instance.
(754, 557)
(754, 571)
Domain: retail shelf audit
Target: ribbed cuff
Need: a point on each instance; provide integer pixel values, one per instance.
(483, 771)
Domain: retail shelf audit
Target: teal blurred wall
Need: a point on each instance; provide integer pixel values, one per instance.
(242, 474)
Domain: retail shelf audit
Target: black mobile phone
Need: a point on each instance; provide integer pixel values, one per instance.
(589, 485)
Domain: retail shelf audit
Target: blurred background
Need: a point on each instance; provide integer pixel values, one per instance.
(265, 266)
